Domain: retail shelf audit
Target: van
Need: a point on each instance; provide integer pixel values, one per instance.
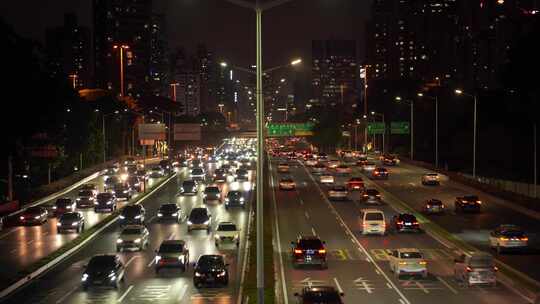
(372, 221)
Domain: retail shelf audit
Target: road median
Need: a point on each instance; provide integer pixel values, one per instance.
(50, 261)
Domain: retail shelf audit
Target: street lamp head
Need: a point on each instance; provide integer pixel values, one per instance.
(364, 116)
(420, 94)
(116, 112)
(296, 61)
(223, 64)
(125, 46)
(372, 112)
(398, 98)
(458, 91)
(282, 80)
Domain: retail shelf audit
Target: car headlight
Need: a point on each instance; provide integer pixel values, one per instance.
(122, 217)
(217, 236)
(137, 217)
(158, 257)
(174, 214)
(78, 199)
(222, 273)
(36, 217)
(109, 202)
(189, 223)
(160, 214)
(226, 199)
(125, 191)
(242, 199)
(181, 258)
(119, 241)
(198, 274)
(137, 241)
(207, 222)
(236, 237)
(74, 224)
(54, 207)
(58, 224)
(84, 277)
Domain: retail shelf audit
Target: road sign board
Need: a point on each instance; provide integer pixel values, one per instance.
(187, 132)
(399, 127)
(152, 131)
(289, 129)
(375, 128)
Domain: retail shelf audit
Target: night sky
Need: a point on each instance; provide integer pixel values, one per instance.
(227, 29)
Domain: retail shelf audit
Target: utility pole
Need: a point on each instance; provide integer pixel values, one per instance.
(535, 163)
(10, 178)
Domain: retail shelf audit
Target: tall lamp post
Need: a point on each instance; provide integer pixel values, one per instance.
(103, 132)
(436, 99)
(384, 132)
(461, 92)
(259, 8)
(411, 103)
(121, 47)
(174, 85)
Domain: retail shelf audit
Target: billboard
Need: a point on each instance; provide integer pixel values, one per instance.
(187, 132)
(152, 131)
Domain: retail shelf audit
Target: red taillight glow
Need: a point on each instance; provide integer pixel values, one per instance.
(298, 251)
(322, 251)
(469, 269)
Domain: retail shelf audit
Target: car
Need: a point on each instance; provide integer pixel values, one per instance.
(405, 222)
(241, 175)
(166, 166)
(431, 179)
(326, 179)
(227, 232)
(407, 261)
(319, 294)
(142, 174)
(343, 170)
(189, 187)
(36, 215)
(287, 183)
(181, 162)
(389, 160)
(333, 164)
(371, 196)
(105, 201)
(220, 176)
(90, 187)
(103, 270)
(157, 172)
(467, 203)
(133, 238)
(226, 168)
(171, 211)
(135, 183)
(373, 221)
(322, 156)
(122, 190)
(210, 269)
(235, 198)
(367, 167)
(212, 193)
(130, 170)
(362, 161)
(197, 174)
(283, 168)
(508, 237)
(196, 163)
(70, 221)
(355, 184)
(379, 173)
(63, 205)
(318, 168)
(172, 253)
(310, 161)
(132, 215)
(199, 219)
(475, 268)
(346, 154)
(85, 199)
(130, 161)
(110, 182)
(338, 192)
(110, 171)
(433, 206)
(309, 250)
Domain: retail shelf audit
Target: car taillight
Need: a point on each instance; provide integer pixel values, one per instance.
(297, 251)
(469, 269)
(322, 251)
(495, 268)
(422, 263)
(400, 223)
(524, 239)
(479, 202)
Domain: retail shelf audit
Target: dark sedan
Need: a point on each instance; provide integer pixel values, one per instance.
(70, 221)
(210, 270)
(33, 216)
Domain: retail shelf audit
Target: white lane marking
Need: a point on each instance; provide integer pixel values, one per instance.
(131, 260)
(306, 214)
(182, 293)
(10, 232)
(125, 294)
(171, 236)
(67, 294)
(338, 286)
(244, 264)
(313, 231)
(151, 262)
(368, 256)
(401, 301)
(301, 202)
(389, 287)
(378, 272)
(452, 289)
(278, 239)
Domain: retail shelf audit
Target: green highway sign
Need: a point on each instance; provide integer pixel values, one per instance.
(399, 127)
(289, 129)
(375, 128)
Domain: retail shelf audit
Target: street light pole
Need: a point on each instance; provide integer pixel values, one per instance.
(412, 130)
(535, 162)
(475, 98)
(122, 48)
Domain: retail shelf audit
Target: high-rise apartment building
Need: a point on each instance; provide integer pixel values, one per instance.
(188, 92)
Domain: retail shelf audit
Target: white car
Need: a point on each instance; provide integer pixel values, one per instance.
(338, 193)
(343, 170)
(197, 174)
(310, 162)
(373, 222)
(287, 184)
(431, 179)
(133, 237)
(227, 232)
(408, 261)
(327, 179)
(508, 237)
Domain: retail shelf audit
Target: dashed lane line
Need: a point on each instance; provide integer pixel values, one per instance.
(125, 294)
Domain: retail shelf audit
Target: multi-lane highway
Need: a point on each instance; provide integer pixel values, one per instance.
(405, 183)
(63, 283)
(24, 245)
(358, 265)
